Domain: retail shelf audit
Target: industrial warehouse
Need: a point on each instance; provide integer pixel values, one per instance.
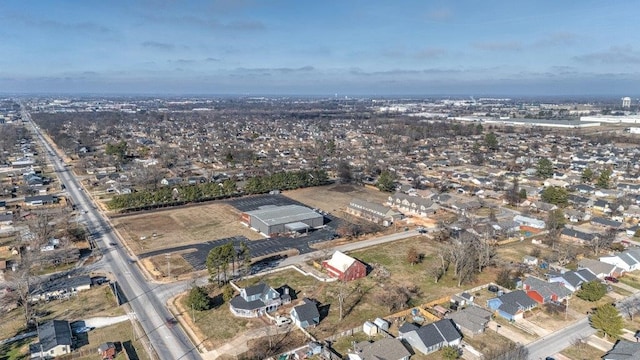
(273, 220)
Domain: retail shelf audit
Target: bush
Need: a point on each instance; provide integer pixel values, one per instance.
(592, 291)
(450, 353)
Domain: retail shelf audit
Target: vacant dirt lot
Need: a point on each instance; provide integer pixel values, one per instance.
(181, 226)
(333, 198)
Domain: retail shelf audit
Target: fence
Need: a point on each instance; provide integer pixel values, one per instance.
(349, 332)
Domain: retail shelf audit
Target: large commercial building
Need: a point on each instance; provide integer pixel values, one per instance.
(274, 220)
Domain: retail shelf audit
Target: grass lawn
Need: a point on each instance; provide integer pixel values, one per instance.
(582, 306)
(631, 279)
(488, 341)
(209, 323)
(582, 352)
(18, 350)
(122, 332)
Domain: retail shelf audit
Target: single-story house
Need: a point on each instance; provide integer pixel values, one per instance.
(623, 350)
(60, 288)
(544, 292)
(306, 315)
(40, 200)
(529, 223)
(431, 337)
(54, 339)
(383, 349)
(600, 269)
(344, 267)
(255, 301)
(627, 260)
(512, 305)
(471, 320)
(573, 280)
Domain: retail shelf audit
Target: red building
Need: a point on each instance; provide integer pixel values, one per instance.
(344, 267)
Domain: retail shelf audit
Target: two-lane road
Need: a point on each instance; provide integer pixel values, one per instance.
(168, 340)
(560, 340)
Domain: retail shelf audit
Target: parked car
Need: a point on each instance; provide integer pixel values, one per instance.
(612, 279)
(282, 320)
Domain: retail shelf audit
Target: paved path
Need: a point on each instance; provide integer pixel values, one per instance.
(349, 247)
(238, 345)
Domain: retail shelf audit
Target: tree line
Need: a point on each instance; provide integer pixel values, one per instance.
(182, 194)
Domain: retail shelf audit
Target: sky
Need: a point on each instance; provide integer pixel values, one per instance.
(299, 47)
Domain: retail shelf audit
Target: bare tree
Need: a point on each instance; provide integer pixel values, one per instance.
(436, 271)
(602, 241)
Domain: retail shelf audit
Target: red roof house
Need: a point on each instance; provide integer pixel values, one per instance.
(344, 267)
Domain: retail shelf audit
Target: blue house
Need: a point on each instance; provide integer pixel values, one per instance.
(512, 306)
(306, 315)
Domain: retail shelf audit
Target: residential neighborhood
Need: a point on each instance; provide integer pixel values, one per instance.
(463, 237)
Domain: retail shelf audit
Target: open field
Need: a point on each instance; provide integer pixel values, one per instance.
(181, 226)
(97, 301)
(333, 198)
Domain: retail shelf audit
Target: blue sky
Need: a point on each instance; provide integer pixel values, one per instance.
(321, 47)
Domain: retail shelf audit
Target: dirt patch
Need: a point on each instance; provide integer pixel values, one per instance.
(189, 225)
(333, 198)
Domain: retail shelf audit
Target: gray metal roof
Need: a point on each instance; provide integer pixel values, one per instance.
(284, 214)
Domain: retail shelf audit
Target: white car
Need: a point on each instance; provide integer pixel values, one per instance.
(282, 320)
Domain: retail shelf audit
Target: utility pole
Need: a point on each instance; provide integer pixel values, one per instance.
(168, 266)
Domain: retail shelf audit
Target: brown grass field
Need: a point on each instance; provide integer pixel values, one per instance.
(333, 198)
(188, 225)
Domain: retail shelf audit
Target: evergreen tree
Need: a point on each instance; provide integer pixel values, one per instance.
(386, 181)
(592, 291)
(587, 175)
(604, 178)
(607, 320)
(544, 168)
(198, 299)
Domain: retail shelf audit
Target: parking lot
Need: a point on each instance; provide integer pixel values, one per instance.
(258, 248)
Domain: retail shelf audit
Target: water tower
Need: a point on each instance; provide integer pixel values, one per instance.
(626, 102)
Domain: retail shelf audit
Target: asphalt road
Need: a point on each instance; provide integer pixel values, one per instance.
(168, 340)
(560, 340)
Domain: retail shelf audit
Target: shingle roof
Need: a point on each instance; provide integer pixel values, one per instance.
(383, 349)
(623, 350)
(54, 333)
(307, 311)
(598, 267)
(518, 298)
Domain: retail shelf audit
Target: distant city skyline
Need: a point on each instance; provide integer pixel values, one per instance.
(320, 48)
